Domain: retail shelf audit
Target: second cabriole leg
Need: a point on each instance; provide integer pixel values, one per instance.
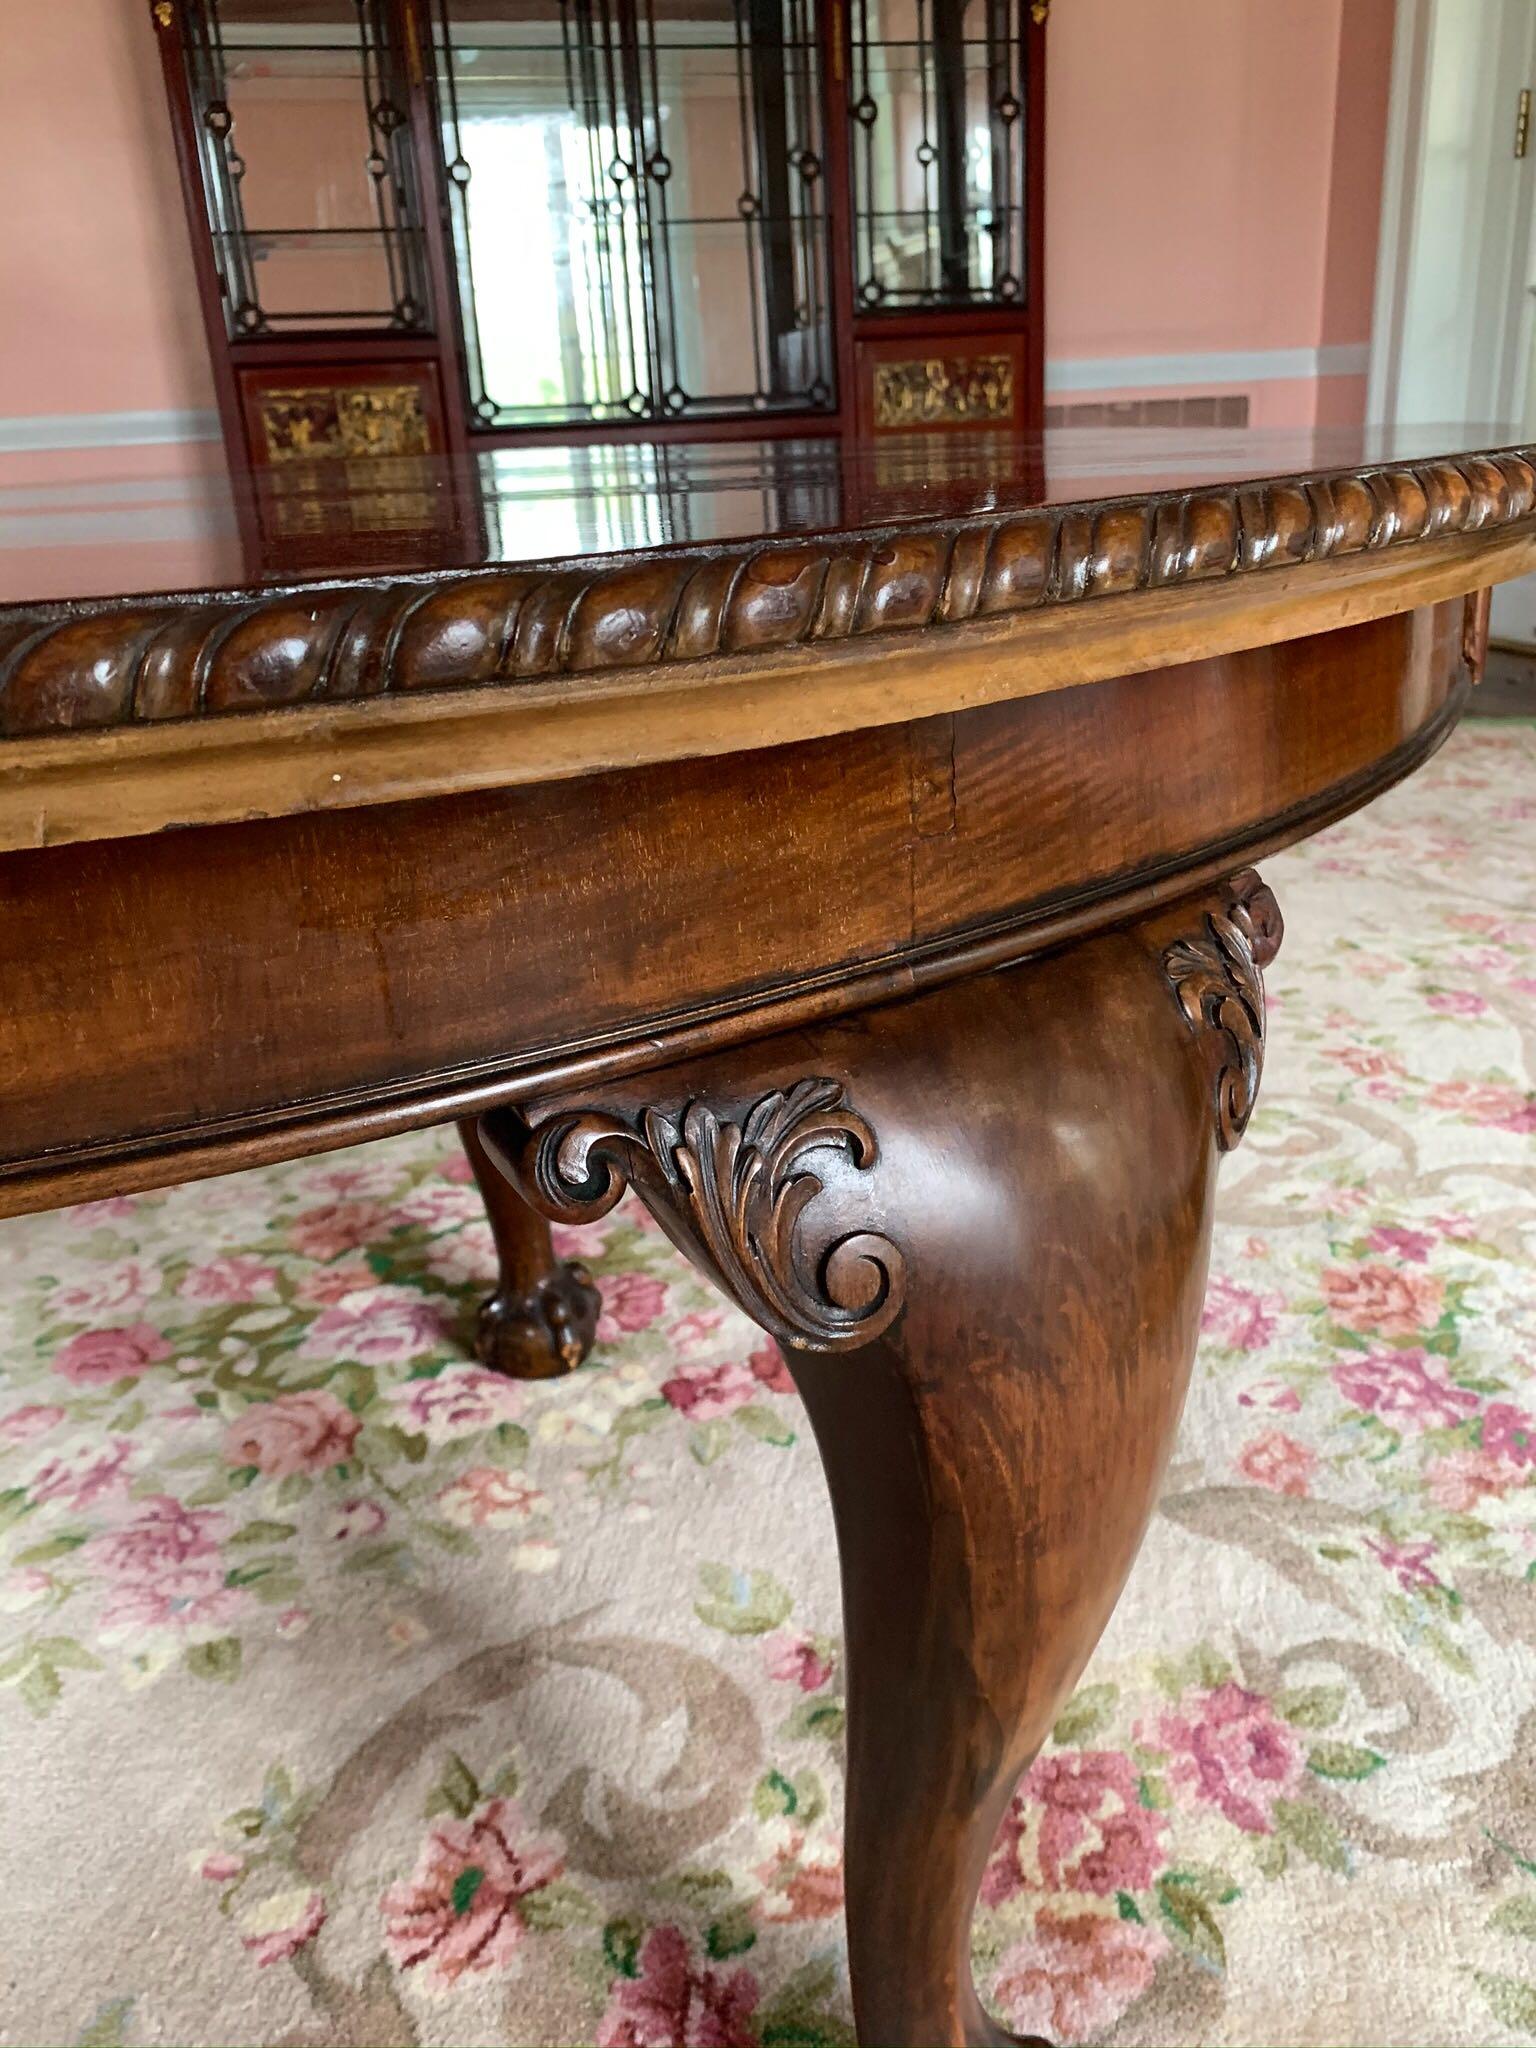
(542, 1318)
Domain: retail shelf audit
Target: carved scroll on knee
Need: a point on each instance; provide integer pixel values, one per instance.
(732, 1196)
(1216, 975)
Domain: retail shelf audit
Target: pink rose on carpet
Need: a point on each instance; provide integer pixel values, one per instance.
(695, 1328)
(282, 1925)
(1273, 1394)
(1494, 1104)
(459, 1911)
(1404, 1387)
(106, 1209)
(1382, 1298)
(767, 1367)
(1366, 1061)
(796, 1660)
(238, 1277)
(485, 1497)
(354, 1518)
(440, 1205)
(336, 1227)
(1075, 1974)
(120, 1290)
(1407, 1562)
(1090, 1830)
(701, 1392)
(456, 1167)
(670, 2004)
(163, 1536)
(465, 1257)
(1277, 1461)
(194, 1598)
(631, 1301)
(1509, 1433)
(1454, 1226)
(1457, 1002)
(377, 1326)
(335, 1283)
(803, 1880)
(1237, 1316)
(84, 1476)
(458, 1401)
(100, 1358)
(1459, 1480)
(580, 1240)
(304, 1432)
(1232, 1752)
(365, 1178)
(22, 1424)
(220, 1868)
(23, 1588)
(1413, 1245)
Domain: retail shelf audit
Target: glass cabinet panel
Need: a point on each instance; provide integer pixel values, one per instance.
(300, 108)
(637, 192)
(937, 100)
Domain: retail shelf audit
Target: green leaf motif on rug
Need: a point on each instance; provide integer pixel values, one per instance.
(219, 1659)
(741, 1603)
(1085, 1715)
(621, 1945)
(1509, 2000)
(1343, 1760)
(1312, 1706)
(731, 1935)
(800, 2013)
(1516, 1916)
(457, 1790)
(1310, 1831)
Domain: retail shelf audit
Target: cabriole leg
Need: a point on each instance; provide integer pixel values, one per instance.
(977, 1222)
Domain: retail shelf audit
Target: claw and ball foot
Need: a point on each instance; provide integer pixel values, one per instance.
(542, 1318)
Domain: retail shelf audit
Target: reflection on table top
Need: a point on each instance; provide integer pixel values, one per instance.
(149, 531)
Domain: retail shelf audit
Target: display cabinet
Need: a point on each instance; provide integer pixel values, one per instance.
(428, 225)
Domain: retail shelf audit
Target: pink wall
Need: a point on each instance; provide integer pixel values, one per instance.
(101, 311)
(1213, 184)
(1213, 177)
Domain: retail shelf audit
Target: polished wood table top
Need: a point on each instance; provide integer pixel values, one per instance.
(685, 600)
(852, 854)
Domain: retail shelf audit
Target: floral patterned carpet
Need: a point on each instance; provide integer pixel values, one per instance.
(351, 1695)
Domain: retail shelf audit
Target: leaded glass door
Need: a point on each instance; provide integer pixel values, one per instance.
(637, 190)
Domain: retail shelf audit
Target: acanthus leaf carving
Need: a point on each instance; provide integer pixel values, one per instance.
(1218, 980)
(730, 1196)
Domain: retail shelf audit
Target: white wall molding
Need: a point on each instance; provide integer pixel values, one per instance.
(44, 432)
(1070, 374)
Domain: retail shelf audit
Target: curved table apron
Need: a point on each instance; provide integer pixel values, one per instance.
(924, 1036)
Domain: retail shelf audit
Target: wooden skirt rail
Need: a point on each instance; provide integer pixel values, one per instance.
(179, 1003)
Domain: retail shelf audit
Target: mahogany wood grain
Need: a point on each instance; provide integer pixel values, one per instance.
(144, 779)
(304, 981)
(986, 1221)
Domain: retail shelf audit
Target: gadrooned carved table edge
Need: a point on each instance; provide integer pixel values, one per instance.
(100, 663)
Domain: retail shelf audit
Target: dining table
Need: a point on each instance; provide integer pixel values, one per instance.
(851, 849)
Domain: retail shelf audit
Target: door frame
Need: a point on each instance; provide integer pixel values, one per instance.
(1502, 311)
